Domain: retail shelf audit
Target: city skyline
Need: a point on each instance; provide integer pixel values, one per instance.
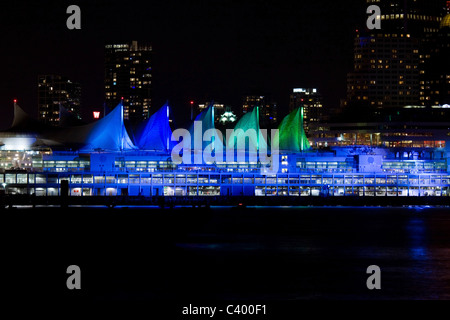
(220, 52)
(246, 75)
(228, 135)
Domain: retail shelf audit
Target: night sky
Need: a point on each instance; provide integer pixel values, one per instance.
(210, 49)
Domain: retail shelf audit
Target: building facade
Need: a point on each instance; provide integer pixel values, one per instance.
(338, 172)
(128, 75)
(411, 135)
(54, 92)
(268, 109)
(386, 71)
(389, 68)
(435, 71)
(312, 103)
(415, 17)
(107, 163)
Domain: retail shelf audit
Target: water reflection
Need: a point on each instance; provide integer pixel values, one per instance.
(411, 246)
(419, 253)
(422, 273)
(417, 236)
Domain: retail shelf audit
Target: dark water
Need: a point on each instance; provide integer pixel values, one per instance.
(258, 254)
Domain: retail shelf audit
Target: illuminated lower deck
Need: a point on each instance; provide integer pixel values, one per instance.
(182, 183)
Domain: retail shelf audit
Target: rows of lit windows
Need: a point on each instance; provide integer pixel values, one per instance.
(281, 179)
(264, 190)
(410, 16)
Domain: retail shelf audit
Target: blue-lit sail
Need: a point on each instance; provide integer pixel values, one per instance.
(109, 133)
(205, 144)
(155, 132)
(202, 123)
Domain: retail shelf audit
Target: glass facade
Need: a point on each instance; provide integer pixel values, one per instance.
(171, 184)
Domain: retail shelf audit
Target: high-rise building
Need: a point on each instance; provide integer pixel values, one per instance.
(268, 112)
(415, 17)
(128, 75)
(435, 71)
(54, 92)
(386, 71)
(311, 101)
(249, 102)
(388, 62)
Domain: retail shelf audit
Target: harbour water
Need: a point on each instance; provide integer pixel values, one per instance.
(227, 253)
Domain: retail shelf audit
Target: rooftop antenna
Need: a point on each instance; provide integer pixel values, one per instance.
(168, 121)
(122, 124)
(212, 121)
(192, 109)
(302, 147)
(60, 112)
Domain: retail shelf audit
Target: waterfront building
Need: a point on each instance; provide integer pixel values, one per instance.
(395, 134)
(101, 159)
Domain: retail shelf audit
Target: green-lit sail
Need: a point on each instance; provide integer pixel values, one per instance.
(292, 136)
(247, 124)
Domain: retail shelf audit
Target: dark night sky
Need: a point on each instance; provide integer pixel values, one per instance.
(203, 49)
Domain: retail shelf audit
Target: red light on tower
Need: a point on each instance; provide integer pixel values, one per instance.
(192, 109)
(96, 114)
(15, 100)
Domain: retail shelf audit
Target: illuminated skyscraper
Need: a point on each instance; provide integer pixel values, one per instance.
(416, 17)
(435, 77)
(55, 91)
(312, 103)
(128, 75)
(388, 63)
(386, 71)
